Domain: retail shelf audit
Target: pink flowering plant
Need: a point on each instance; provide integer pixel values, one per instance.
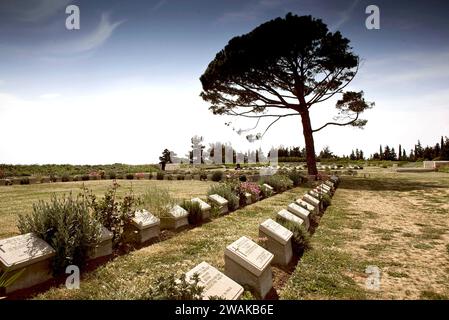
(249, 187)
(140, 176)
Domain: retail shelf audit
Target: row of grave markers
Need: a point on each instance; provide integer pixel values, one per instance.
(32, 256)
(249, 264)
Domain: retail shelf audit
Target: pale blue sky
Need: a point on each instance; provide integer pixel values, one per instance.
(125, 85)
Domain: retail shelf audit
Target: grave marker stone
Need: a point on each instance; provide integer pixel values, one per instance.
(29, 253)
(277, 240)
(221, 202)
(326, 188)
(248, 198)
(205, 208)
(314, 194)
(299, 211)
(146, 225)
(249, 264)
(312, 201)
(215, 283)
(267, 186)
(177, 218)
(307, 206)
(103, 248)
(287, 215)
(329, 184)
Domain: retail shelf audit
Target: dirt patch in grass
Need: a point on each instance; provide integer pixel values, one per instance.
(395, 222)
(404, 229)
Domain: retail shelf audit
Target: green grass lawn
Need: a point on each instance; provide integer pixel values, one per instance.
(129, 276)
(397, 222)
(20, 198)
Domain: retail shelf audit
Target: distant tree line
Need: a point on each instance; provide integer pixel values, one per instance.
(440, 151)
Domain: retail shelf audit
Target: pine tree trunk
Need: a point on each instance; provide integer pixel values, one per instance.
(310, 147)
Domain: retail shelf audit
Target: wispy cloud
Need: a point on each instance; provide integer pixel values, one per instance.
(87, 42)
(345, 15)
(406, 67)
(159, 5)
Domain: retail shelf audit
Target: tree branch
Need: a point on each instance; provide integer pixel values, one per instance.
(337, 124)
(331, 94)
(271, 125)
(243, 114)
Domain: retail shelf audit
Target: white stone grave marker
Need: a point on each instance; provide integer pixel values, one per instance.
(147, 225)
(27, 252)
(302, 213)
(221, 202)
(215, 283)
(249, 264)
(277, 240)
(205, 208)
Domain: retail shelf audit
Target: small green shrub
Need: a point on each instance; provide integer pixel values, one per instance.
(158, 201)
(195, 216)
(280, 183)
(217, 176)
(160, 176)
(326, 199)
(113, 212)
(130, 176)
(180, 177)
(265, 192)
(243, 178)
(67, 225)
(85, 177)
(203, 177)
(300, 238)
(296, 177)
(112, 175)
(170, 288)
(7, 278)
(226, 191)
(53, 178)
(25, 180)
(65, 178)
(169, 177)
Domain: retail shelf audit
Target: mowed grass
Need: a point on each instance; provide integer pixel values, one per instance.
(19, 199)
(396, 222)
(130, 276)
